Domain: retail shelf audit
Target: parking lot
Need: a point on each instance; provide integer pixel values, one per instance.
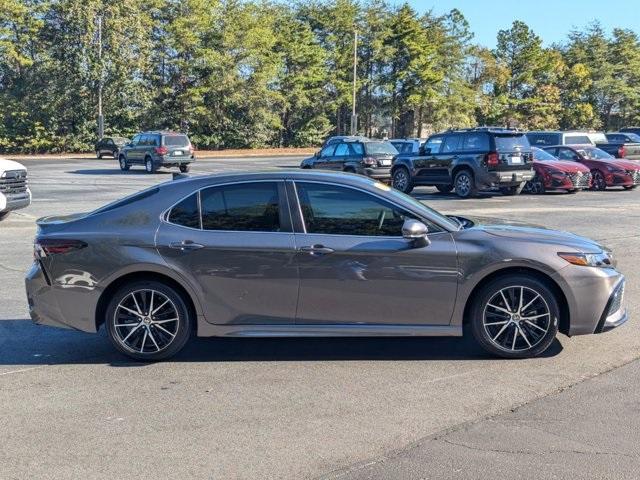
(308, 408)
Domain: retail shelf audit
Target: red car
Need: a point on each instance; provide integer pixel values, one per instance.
(606, 170)
(554, 174)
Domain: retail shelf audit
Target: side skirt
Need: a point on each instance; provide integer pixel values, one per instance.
(334, 330)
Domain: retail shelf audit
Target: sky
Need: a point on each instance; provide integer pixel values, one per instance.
(551, 20)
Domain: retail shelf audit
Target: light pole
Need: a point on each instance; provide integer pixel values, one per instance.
(354, 117)
(100, 116)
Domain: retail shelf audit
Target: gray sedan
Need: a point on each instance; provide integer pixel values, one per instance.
(306, 253)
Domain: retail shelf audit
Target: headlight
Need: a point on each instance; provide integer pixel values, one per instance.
(602, 259)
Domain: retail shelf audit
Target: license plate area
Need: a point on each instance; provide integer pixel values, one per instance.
(178, 153)
(515, 160)
(384, 162)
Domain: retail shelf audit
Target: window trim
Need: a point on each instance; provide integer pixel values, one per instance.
(302, 225)
(283, 202)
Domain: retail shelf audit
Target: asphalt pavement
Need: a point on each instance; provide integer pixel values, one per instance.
(314, 408)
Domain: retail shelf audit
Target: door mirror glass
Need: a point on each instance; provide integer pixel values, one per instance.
(416, 232)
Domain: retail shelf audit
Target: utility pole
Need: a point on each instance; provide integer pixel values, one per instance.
(354, 117)
(100, 80)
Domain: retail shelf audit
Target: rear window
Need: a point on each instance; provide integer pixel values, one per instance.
(509, 143)
(477, 141)
(543, 138)
(136, 197)
(176, 141)
(380, 148)
(576, 140)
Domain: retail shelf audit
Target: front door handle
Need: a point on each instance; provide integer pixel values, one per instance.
(186, 245)
(316, 250)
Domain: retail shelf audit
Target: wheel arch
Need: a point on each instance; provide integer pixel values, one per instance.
(115, 284)
(402, 163)
(565, 314)
(462, 166)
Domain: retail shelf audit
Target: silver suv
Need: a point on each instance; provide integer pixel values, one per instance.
(157, 149)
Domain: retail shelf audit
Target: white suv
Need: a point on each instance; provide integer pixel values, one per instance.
(14, 192)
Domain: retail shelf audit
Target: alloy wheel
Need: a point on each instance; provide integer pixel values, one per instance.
(146, 321)
(463, 185)
(400, 179)
(148, 165)
(599, 183)
(516, 318)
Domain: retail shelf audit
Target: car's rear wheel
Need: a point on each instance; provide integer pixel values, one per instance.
(598, 181)
(444, 188)
(401, 180)
(184, 168)
(515, 316)
(4, 215)
(465, 185)
(148, 321)
(149, 166)
(124, 165)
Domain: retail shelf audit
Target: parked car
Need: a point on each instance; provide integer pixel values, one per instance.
(372, 158)
(154, 150)
(606, 170)
(622, 145)
(408, 145)
(341, 138)
(548, 138)
(110, 146)
(468, 161)
(307, 253)
(554, 174)
(14, 189)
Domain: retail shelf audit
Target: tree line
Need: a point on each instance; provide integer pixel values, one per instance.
(243, 73)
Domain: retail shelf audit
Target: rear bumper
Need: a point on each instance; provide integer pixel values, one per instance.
(383, 173)
(507, 178)
(15, 201)
(172, 161)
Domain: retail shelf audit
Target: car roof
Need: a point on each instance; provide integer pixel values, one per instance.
(161, 132)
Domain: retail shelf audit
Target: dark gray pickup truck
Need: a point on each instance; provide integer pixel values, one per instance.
(622, 145)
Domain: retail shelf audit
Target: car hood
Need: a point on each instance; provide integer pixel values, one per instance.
(6, 165)
(534, 233)
(626, 164)
(570, 167)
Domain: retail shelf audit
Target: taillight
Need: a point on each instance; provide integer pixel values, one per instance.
(493, 159)
(45, 247)
(162, 150)
(370, 161)
(621, 152)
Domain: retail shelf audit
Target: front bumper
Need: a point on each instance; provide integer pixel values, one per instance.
(573, 181)
(15, 201)
(615, 313)
(628, 179)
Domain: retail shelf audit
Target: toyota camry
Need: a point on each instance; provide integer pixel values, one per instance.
(312, 254)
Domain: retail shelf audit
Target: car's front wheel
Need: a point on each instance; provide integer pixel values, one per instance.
(124, 165)
(148, 321)
(401, 180)
(184, 168)
(515, 316)
(598, 182)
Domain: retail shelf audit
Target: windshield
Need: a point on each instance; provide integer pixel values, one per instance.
(378, 148)
(633, 137)
(176, 141)
(595, 154)
(542, 155)
(509, 143)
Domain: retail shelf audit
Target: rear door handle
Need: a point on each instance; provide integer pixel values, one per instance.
(186, 245)
(316, 250)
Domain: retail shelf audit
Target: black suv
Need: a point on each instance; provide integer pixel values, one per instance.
(356, 155)
(157, 149)
(110, 146)
(468, 160)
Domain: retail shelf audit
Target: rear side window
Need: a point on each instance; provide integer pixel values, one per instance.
(509, 143)
(186, 213)
(342, 150)
(576, 140)
(247, 207)
(476, 141)
(176, 141)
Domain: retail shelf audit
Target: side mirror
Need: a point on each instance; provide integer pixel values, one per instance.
(415, 232)
(317, 154)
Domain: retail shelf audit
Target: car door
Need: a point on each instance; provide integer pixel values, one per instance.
(340, 157)
(235, 243)
(107, 147)
(424, 163)
(324, 158)
(355, 267)
(133, 153)
(441, 163)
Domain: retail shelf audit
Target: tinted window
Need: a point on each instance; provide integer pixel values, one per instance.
(249, 207)
(399, 146)
(476, 141)
(136, 140)
(509, 143)
(380, 148)
(542, 155)
(342, 149)
(136, 197)
(433, 144)
(566, 154)
(543, 138)
(613, 137)
(186, 213)
(595, 154)
(335, 210)
(576, 140)
(108, 141)
(327, 151)
(632, 137)
(357, 148)
(176, 141)
(450, 143)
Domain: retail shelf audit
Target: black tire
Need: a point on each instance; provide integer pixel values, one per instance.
(598, 182)
(4, 215)
(149, 166)
(510, 191)
(464, 184)
(630, 187)
(573, 190)
(349, 170)
(444, 188)
(502, 334)
(98, 155)
(124, 165)
(184, 168)
(181, 331)
(401, 180)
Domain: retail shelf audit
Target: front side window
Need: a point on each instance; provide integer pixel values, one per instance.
(248, 207)
(595, 154)
(433, 144)
(450, 143)
(566, 154)
(327, 151)
(186, 213)
(136, 140)
(336, 210)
